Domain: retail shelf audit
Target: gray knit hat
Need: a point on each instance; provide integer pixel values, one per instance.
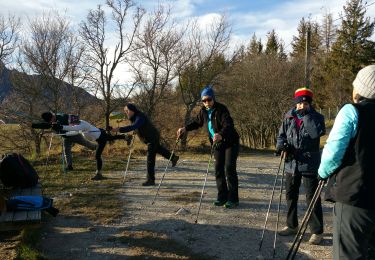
(364, 83)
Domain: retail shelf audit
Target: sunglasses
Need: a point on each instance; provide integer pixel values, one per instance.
(206, 100)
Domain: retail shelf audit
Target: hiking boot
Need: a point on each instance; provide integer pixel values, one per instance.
(175, 160)
(316, 239)
(148, 183)
(230, 204)
(219, 202)
(69, 168)
(287, 231)
(98, 176)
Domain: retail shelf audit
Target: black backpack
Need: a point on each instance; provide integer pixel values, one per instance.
(17, 172)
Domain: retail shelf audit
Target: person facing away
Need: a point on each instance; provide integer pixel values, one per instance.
(348, 162)
(299, 139)
(149, 135)
(91, 133)
(215, 117)
(68, 140)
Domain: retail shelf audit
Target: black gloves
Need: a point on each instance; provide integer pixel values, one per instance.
(41, 125)
(128, 139)
(286, 147)
(57, 127)
(322, 179)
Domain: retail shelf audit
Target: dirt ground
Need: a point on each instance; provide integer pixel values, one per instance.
(166, 229)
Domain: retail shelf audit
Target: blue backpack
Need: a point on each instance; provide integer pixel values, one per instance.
(32, 202)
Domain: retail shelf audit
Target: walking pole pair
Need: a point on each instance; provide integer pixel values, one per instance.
(131, 148)
(205, 180)
(166, 167)
(299, 236)
(270, 203)
(271, 199)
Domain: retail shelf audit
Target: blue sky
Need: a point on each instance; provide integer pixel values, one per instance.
(246, 17)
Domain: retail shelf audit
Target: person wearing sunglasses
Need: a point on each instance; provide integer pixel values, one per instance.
(215, 117)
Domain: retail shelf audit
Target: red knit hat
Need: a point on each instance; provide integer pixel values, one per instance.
(303, 94)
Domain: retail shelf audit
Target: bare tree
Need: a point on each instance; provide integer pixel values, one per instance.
(101, 60)
(260, 98)
(49, 52)
(48, 57)
(159, 52)
(9, 28)
(206, 62)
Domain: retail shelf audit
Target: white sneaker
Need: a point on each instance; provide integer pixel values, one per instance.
(287, 231)
(316, 239)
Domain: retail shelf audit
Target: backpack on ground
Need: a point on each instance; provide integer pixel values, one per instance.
(17, 172)
(30, 203)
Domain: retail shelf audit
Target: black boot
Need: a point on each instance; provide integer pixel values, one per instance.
(149, 183)
(175, 160)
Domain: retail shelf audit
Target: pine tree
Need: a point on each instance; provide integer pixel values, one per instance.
(272, 45)
(328, 32)
(353, 48)
(255, 46)
(299, 42)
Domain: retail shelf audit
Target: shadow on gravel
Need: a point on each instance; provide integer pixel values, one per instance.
(78, 238)
(183, 240)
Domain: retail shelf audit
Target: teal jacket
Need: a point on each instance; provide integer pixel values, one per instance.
(343, 130)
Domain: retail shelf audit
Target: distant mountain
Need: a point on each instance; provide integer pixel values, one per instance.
(5, 84)
(69, 93)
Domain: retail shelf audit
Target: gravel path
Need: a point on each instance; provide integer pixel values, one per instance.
(166, 229)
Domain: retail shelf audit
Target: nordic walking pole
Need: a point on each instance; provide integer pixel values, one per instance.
(205, 180)
(299, 236)
(49, 151)
(269, 204)
(278, 208)
(166, 167)
(62, 156)
(131, 148)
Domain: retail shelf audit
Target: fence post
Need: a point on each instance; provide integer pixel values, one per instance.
(329, 113)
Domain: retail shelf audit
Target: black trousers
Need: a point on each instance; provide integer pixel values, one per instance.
(226, 173)
(152, 150)
(292, 184)
(353, 232)
(102, 141)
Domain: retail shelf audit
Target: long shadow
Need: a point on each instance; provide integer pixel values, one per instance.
(78, 238)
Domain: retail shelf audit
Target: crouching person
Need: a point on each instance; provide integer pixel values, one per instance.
(94, 134)
(68, 140)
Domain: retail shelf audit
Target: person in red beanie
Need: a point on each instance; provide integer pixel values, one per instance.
(299, 137)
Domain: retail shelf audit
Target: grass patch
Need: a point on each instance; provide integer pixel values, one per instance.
(26, 248)
(76, 194)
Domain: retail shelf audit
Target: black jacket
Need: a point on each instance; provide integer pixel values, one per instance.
(353, 182)
(143, 127)
(222, 123)
(304, 142)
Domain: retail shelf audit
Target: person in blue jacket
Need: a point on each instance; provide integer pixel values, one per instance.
(348, 162)
(149, 135)
(299, 137)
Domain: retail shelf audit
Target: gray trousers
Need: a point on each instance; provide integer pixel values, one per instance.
(75, 139)
(353, 231)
